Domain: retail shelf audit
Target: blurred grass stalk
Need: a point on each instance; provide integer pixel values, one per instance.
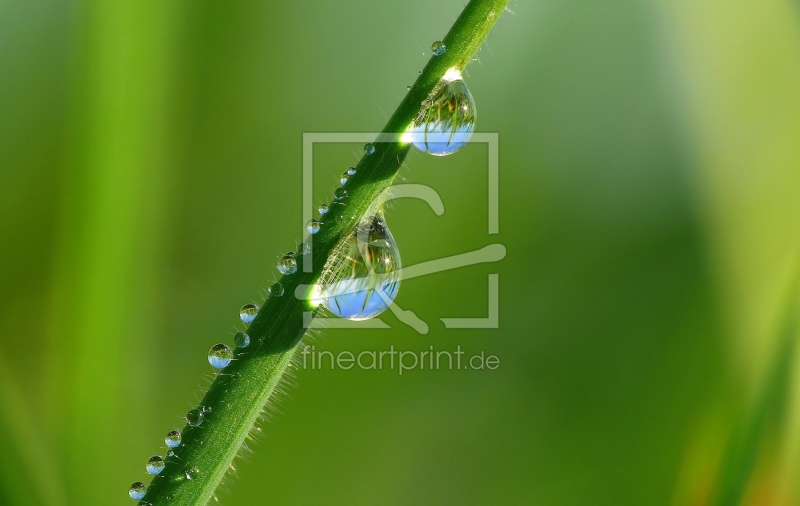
(110, 211)
(740, 65)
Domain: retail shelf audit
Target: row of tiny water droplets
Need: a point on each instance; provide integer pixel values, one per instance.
(220, 356)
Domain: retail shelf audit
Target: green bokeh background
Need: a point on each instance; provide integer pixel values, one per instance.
(151, 175)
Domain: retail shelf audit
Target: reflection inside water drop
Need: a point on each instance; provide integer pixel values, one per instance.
(248, 313)
(173, 439)
(362, 277)
(220, 356)
(446, 120)
(137, 491)
(195, 417)
(155, 465)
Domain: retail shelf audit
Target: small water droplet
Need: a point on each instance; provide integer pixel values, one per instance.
(173, 439)
(420, 72)
(408, 88)
(344, 177)
(192, 473)
(241, 340)
(276, 290)
(248, 313)
(206, 409)
(195, 417)
(170, 453)
(351, 171)
(446, 120)
(155, 465)
(137, 491)
(288, 265)
(323, 208)
(312, 226)
(364, 279)
(369, 148)
(220, 355)
(438, 48)
(340, 194)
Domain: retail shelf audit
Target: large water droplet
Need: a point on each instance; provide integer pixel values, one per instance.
(155, 465)
(248, 313)
(137, 491)
(195, 417)
(276, 290)
(438, 48)
(220, 356)
(362, 278)
(241, 340)
(313, 226)
(287, 265)
(447, 118)
(173, 439)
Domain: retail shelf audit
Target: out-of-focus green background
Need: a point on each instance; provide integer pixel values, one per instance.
(151, 175)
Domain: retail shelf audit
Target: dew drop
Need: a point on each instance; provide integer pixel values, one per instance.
(155, 465)
(408, 88)
(288, 265)
(241, 340)
(351, 171)
(220, 355)
(446, 120)
(369, 148)
(170, 453)
(137, 491)
(323, 209)
(340, 194)
(173, 439)
(312, 226)
(344, 177)
(192, 473)
(276, 290)
(438, 48)
(362, 281)
(206, 409)
(195, 417)
(248, 313)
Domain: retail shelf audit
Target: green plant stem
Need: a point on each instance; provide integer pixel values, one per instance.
(239, 394)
